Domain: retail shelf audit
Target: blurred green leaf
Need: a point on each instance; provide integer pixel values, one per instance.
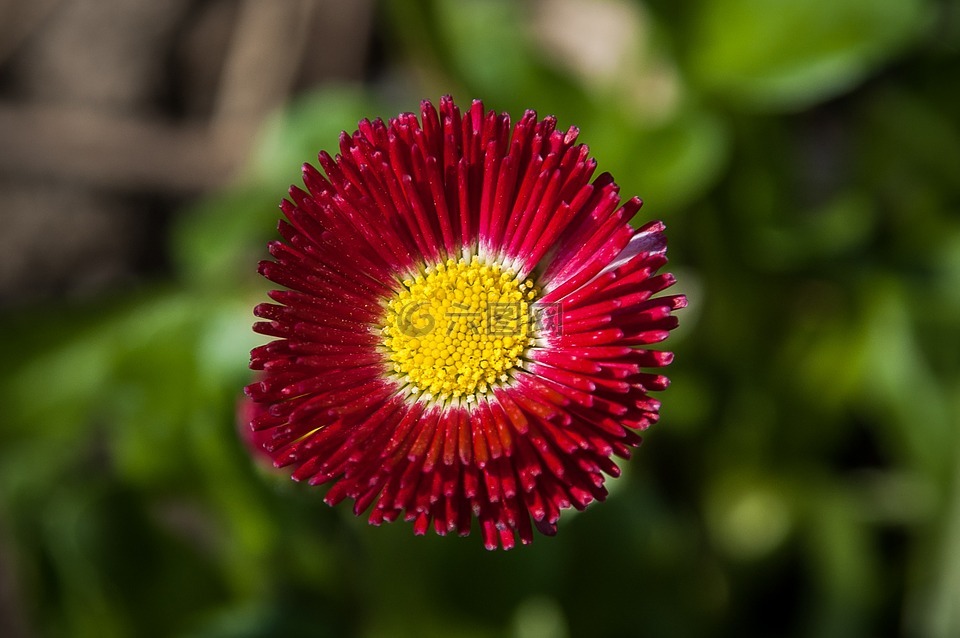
(483, 50)
(219, 240)
(786, 54)
(900, 388)
(306, 126)
(839, 227)
(668, 165)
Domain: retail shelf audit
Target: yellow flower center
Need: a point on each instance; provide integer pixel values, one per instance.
(459, 327)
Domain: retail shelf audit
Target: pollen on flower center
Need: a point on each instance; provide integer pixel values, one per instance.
(459, 327)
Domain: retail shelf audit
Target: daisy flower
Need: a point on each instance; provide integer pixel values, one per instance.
(462, 326)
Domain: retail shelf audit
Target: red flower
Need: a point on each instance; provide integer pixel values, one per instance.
(462, 327)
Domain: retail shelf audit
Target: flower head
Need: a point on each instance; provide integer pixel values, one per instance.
(462, 326)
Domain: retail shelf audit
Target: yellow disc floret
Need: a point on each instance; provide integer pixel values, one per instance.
(458, 327)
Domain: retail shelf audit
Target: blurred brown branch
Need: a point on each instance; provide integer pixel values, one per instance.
(120, 147)
(113, 151)
(111, 98)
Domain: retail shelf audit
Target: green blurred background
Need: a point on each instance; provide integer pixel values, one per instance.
(805, 477)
